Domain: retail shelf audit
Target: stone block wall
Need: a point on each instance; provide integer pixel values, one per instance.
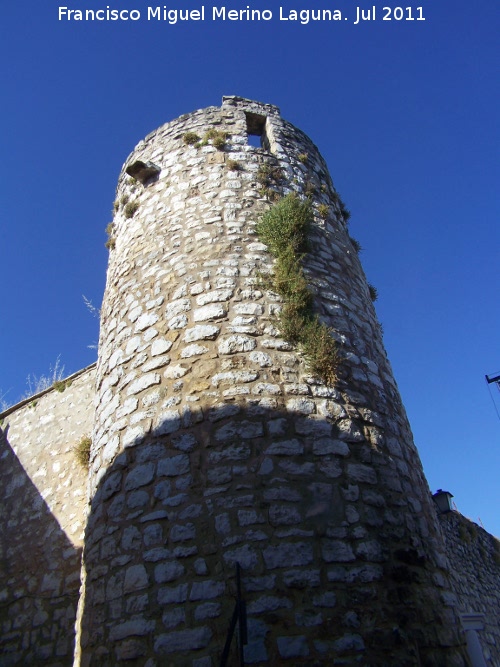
(474, 557)
(42, 518)
(214, 445)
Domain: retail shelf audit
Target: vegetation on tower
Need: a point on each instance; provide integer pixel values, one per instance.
(285, 229)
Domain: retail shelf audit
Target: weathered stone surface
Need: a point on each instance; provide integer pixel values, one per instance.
(284, 515)
(213, 311)
(334, 550)
(193, 350)
(167, 422)
(214, 445)
(173, 617)
(136, 578)
(168, 571)
(182, 640)
(288, 555)
(214, 296)
(246, 556)
(140, 476)
(174, 465)
(268, 603)
(180, 533)
(236, 343)
(285, 448)
(137, 626)
(207, 590)
(361, 473)
(201, 332)
(324, 446)
(293, 647)
(143, 383)
(234, 377)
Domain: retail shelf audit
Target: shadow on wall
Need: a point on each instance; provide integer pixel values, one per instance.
(39, 573)
(333, 562)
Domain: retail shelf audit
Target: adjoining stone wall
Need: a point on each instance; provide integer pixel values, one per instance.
(213, 444)
(474, 557)
(42, 519)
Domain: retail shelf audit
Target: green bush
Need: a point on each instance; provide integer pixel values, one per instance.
(323, 211)
(269, 175)
(130, 209)
(355, 244)
(82, 451)
(285, 230)
(61, 385)
(270, 194)
(286, 225)
(320, 350)
(190, 138)
(217, 137)
(346, 214)
(309, 190)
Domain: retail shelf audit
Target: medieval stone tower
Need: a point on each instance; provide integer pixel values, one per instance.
(215, 445)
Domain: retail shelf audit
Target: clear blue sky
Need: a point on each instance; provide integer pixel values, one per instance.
(406, 116)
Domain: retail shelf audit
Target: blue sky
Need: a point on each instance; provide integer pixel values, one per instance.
(405, 114)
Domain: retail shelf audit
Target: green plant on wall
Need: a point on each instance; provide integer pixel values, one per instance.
(82, 451)
(269, 175)
(61, 385)
(310, 189)
(285, 228)
(217, 137)
(233, 165)
(323, 211)
(373, 292)
(344, 211)
(110, 243)
(270, 178)
(355, 244)
(191, 138)
(130, 209)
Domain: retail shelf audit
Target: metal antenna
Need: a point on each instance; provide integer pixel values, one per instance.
(493, 379)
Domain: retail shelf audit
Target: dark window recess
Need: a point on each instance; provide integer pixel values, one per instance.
(256, 131)
(143, 171)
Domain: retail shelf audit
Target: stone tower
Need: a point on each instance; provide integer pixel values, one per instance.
(215, 446)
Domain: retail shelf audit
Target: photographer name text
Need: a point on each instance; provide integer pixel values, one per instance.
(173, 16)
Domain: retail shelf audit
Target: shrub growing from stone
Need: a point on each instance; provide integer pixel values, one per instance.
(285, 230)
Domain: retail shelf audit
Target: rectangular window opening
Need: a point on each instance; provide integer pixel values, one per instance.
(256, 131)
(254, 140)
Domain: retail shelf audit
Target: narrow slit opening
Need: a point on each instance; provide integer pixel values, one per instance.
(256, 130)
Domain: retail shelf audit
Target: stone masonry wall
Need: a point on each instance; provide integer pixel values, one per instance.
(474, 557)
(42, 519)
(213, 444)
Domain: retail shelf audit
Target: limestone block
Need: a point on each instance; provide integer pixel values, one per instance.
(236, 343)
(182, 640)
(210, 312)
(293, 647)
(201, 332)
